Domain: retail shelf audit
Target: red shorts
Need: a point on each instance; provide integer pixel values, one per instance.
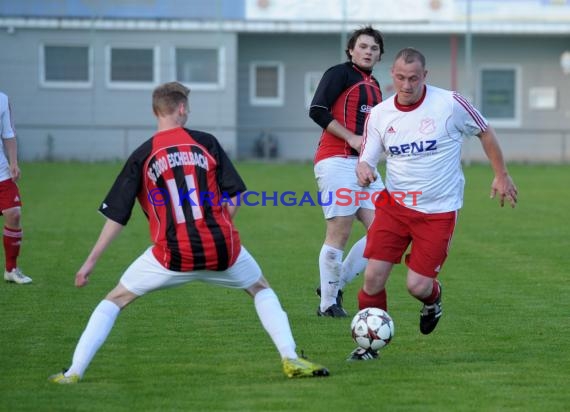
(396, 226)
(9, 195)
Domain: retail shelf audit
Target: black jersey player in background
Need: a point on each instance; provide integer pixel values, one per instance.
(344, 97)
(187, 188)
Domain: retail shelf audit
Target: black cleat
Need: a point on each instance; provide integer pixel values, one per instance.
(360, 354)
(339, 296)
(333, 311)
(430, 315)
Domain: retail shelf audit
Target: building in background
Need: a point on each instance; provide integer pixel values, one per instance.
(80, 72)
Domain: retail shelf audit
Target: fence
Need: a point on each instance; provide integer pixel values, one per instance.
(99, 143)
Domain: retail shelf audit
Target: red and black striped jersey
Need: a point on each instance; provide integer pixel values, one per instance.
(346, 94)
(182, 179)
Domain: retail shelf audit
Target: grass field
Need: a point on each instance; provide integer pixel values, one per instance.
(502, 344)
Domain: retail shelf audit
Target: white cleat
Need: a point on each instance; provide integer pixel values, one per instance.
(16, 276)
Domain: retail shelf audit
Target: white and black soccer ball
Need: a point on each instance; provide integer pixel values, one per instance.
(372, 328)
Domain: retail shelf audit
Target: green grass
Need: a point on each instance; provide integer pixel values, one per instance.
(502, 344)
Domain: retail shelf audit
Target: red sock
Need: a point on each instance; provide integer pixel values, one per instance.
(12, 241)
(378, 300)
(435, 291)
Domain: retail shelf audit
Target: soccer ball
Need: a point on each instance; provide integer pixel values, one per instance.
(372, 328)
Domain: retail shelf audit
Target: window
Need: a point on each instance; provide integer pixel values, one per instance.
(130, 67)
(500, 95)
(65, 66)
(266, 84)
(312, 80)
(200, 69)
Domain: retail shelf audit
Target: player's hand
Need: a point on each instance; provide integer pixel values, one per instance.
(82, 275)
(506, 189)
(355, 142)
(14, 172)
(365, 174)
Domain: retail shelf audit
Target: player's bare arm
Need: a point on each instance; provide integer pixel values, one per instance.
(232, 206)
(365, 174)
(502, 184)
(354, 140)
(110, 231)
(11, 147)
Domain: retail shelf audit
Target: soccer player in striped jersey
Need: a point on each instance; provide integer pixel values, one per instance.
(188, 189)
(343, 99)
(420, 130)
(10, 202)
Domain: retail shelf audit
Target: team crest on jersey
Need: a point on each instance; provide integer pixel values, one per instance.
(427, 126)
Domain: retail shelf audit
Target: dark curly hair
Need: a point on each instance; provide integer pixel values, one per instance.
(368, 31)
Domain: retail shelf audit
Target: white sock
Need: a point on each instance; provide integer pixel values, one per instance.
(275, 321)
(354, 263)
(100, 324)
(330, 265)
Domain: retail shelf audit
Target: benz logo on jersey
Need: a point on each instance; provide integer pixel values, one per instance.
(414, 148)
(365, 108)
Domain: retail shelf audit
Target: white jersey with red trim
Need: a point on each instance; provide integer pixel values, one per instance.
(422, 144)
(6, 132)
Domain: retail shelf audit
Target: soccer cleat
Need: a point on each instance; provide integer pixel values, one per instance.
(339, 296)
(430, 315)
(303, 368)
(16, 276)
(61, 379)
(333, 311)
(336, 310)
(360, 354)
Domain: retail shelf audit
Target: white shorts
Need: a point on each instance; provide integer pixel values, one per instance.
(338, 186)
(146, 274)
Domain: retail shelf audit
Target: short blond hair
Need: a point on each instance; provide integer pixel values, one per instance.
(167, 97)
(410, 55)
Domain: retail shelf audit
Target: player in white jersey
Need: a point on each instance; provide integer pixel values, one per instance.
(420, 130)
(10, 203)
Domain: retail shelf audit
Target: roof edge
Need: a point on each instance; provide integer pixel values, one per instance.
(526, 28)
